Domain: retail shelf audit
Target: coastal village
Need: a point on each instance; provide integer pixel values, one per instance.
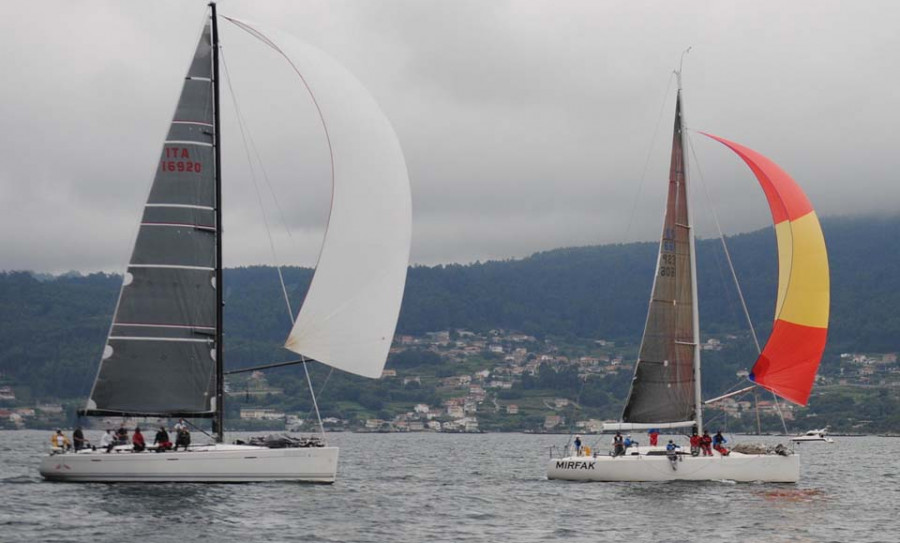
(481, 377)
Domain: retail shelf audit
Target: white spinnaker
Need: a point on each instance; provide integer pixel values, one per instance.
(349, 316)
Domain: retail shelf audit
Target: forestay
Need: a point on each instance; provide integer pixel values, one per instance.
(160, 353)
(788, 363)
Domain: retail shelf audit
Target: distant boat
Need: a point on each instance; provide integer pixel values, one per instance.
(164, 352)
(814, 435)
(665, 391)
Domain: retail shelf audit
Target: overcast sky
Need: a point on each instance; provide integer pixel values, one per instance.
(526, 125)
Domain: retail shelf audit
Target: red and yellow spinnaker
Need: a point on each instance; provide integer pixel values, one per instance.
(788, 363)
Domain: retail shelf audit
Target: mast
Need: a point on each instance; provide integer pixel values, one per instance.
(219, 420)
(695, 309)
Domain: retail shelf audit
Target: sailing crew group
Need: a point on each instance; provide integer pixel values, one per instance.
(699, 445)
(112, 439)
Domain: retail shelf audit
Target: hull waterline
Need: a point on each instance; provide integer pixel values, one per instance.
(208, 464)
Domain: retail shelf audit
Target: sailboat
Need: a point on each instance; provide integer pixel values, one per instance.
(665, 390)
(164, 354)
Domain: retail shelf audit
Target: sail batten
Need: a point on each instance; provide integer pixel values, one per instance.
(790, 359)
(159, 357)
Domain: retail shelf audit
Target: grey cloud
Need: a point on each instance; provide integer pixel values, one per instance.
(526, 125)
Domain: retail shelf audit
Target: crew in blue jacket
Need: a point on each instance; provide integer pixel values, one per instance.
(719, 442)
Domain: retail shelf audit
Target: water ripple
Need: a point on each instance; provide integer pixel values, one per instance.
(467, 488)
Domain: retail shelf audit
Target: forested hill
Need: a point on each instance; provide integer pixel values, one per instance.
(52, 329)
(604, 291)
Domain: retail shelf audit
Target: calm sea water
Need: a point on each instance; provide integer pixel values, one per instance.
(452, 487)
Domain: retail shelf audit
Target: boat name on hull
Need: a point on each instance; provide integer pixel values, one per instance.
(574, 464)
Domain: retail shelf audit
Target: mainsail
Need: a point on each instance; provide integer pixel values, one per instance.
(160, 353)
(787, 365)
(662, 390)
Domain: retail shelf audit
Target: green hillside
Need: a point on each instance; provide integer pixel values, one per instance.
(52, 328)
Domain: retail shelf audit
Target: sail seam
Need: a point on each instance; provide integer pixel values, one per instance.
(172, 267)
(182, 326)
(186, 142)
(186, 206)
(198, 226)
(137, 338)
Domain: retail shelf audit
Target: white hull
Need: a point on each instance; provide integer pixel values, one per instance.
(768, 468)
(813, 435)
(206, 464)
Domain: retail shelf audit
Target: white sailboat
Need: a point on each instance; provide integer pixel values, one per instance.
(164, 352)
(665, 391)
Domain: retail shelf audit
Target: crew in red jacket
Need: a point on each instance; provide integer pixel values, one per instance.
(695, 444)
(137, 440)
(706, 444)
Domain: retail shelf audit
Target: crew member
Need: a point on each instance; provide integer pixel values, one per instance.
(672, 454)
(60, 441)
(719, 442)
(108, 441)
(695, 444)
(618, 445)
(122, 435)
(162, 440)
(705, 443)
(183, 438)
(79, 440)
(137, 440)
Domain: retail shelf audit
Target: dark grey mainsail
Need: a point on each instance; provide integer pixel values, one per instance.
(160, 354)
(663, 387)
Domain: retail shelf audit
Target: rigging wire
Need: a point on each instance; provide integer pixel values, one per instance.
(576, 405)
(321, 390)
(643, 178)
(724, 244)
(244, 137)
(268, 42)
(733, 272)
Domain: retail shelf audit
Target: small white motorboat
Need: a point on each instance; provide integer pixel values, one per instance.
(814, 435)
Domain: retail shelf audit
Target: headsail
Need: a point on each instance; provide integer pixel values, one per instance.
(160, 353)
(788, 363)
(663, 386)
(348, 318)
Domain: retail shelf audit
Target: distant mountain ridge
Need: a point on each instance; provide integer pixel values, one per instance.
(603, 291)
(52, 330)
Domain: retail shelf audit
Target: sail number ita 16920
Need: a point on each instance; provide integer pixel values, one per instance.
(178, 159)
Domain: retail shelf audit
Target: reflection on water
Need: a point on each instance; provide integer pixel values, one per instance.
(433, 487)
(794, 494)
(157, 501)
